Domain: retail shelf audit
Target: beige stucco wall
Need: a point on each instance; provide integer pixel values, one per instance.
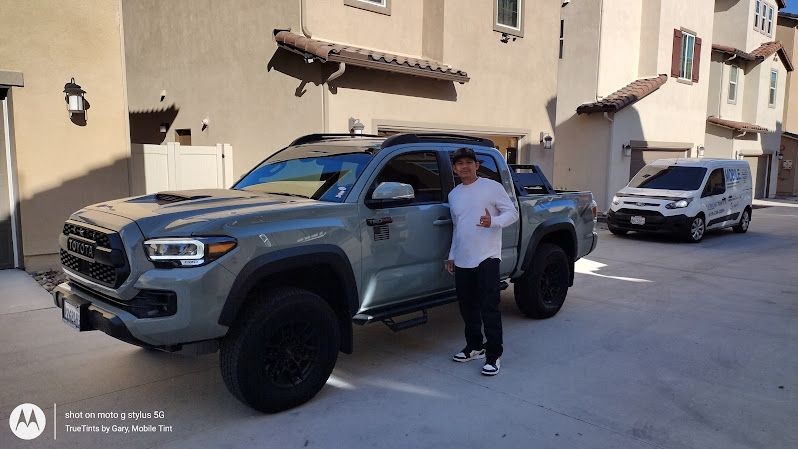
(734, 24)
(498, 97)
(676, 112)
(63, 166)
(788, 36)
(215, 65)
(220, 62)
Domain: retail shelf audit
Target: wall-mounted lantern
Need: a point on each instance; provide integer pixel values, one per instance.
(627, 150)
(700, 150)
(355, 127)
(73, 95)
(546, 140)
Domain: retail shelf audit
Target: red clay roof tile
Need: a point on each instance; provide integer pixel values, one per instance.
(624, 97)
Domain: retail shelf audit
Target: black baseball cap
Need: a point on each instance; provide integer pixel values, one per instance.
(464, 152)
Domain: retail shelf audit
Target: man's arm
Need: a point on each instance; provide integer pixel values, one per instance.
(507, 212)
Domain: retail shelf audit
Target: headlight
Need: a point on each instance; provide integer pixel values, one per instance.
(187, 252)
(616, 201)
(679, 204)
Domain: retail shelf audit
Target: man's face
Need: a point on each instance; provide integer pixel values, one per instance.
(466, 168)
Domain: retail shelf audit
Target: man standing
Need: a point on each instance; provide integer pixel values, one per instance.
(480, 208)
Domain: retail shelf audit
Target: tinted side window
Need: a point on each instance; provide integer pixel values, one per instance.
(487, 169)
(715, 184)
(420, 170)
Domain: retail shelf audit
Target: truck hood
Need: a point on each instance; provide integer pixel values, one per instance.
(672, 195)
(185, 212)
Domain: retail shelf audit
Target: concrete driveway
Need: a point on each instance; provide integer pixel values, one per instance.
(660, 344)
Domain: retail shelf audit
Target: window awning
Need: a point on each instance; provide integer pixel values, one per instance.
(315, 49)
(737, 126)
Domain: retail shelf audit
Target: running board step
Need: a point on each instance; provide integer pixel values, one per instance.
(406, 324)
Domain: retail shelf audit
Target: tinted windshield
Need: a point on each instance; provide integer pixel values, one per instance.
(669, 178)
(320, 174)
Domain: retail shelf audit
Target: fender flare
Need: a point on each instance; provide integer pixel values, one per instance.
(287, 259)
(548, 227)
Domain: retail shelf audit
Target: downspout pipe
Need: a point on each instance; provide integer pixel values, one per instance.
(325, 92)
(302, 20)
(598, 50)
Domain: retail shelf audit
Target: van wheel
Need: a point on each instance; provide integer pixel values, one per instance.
(745, 220)
(282, 351)
(617, 231)
(541, 291)
(696, 229)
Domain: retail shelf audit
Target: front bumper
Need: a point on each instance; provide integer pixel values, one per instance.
(199, 296)
(94, 317)
(655, 222)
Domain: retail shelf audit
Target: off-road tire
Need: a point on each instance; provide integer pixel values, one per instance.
(696, 228)
(281, 350)
(542, 289)
(745, 221)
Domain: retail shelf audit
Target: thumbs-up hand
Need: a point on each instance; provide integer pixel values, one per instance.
(484, 221)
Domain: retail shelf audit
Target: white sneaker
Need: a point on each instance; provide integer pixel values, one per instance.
(466, 355)
(491, 367)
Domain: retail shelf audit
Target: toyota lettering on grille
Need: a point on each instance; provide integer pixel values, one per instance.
(81, 248)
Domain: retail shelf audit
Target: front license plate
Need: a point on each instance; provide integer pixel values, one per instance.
(71, 315)
(638, 220)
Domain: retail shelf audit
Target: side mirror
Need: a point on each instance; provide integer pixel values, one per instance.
(391, 194)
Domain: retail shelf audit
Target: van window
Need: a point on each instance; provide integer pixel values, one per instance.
(715, 184)
(672, 177)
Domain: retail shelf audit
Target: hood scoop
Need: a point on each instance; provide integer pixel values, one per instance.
(176, 197)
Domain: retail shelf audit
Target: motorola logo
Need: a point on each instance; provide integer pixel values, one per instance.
(27, 421)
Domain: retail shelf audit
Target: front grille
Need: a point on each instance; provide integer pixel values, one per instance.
(92, 234)
(109, 267)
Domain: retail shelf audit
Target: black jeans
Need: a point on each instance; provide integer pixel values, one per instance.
(478, 295)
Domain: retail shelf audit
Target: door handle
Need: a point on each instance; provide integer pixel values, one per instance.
(442, 221)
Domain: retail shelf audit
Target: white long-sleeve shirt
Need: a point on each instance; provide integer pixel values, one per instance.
(471, 243)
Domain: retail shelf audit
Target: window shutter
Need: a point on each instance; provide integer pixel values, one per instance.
(696, 59)
(677, 53)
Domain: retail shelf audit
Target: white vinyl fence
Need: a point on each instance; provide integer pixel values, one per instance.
(156, 168)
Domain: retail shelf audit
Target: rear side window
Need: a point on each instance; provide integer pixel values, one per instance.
(716, 184)
(487, 169)
(420, 170)
(671, 177)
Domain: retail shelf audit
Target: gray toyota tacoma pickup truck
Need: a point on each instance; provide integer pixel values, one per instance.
(331, 231)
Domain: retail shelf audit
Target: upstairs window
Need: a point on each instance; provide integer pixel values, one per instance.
(686, 56)
(378, 6)
(734, 73)
(774, 76)
(763, 17)
(508, 17)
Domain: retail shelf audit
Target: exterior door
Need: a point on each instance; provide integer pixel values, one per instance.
(715, 199)
(404, 246)
(6, 220)
(759, 174)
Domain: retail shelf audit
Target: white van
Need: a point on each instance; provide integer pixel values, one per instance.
(685, 197)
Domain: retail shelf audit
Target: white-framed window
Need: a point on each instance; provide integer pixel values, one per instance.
(562, 35)
(378, 6)
(686, 61)
(774, 77)
(734, 73)
(508, 17)
(763, 17)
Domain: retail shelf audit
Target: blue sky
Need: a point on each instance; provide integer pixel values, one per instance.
(792, 6)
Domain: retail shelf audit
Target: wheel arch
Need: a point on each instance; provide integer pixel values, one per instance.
(322, 269)
(558, 231)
